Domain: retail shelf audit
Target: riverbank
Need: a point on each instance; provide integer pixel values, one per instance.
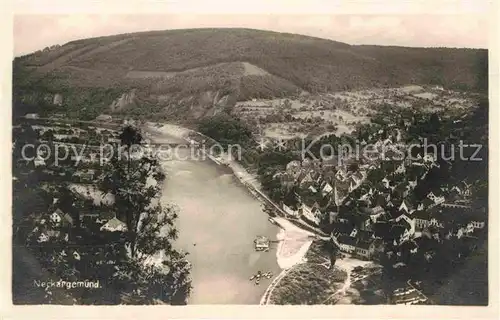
(293, 241)
(310, 282)
(314, 281)
(218, 221)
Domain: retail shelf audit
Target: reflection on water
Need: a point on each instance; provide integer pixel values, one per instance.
(218, 221)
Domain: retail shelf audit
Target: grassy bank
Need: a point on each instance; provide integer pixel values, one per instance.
(308, 284)
(311, 282)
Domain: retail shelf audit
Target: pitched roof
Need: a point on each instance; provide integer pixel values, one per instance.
(404, 224)
(374, 210)
(364, 235)
(358, 175)
(52, 233)
(68, 218)
(409, 245)
(421, 214)
(394, 213)
(381, 230)
(342, 228)
(293, 164)
(364, 244)
(114, 225)
(347, 240)
(305, 176)
(397, 231)
(426, 244)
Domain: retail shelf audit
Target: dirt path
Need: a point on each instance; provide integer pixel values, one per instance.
(348, 265)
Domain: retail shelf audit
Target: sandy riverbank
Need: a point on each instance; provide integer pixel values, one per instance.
(293, 245)
(294, 242)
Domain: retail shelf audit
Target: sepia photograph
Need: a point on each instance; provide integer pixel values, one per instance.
(250, 159)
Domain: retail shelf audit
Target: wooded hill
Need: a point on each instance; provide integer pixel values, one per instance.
(196, 70)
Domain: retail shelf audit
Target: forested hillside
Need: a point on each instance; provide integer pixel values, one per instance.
(200, 71)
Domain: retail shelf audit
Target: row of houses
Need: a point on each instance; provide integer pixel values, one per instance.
(59, 224)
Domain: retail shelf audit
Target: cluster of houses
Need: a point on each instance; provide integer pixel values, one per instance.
(367, 216)
(370, 232)
(75, 144)
(319, 182)
(58, 226)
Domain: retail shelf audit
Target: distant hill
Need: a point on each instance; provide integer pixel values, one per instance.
(196, 72)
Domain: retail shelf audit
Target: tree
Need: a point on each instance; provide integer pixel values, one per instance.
(67, 203)
(48, 135)
(136, 184)
(226, 130)
(128, 137)
(332, 250)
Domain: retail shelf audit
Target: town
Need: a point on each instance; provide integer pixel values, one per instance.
(244, 166)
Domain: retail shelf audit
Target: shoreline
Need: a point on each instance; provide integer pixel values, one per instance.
(245, 178)
(289, 235)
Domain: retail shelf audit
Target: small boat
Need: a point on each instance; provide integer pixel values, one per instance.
(252, 277)
(257, 282)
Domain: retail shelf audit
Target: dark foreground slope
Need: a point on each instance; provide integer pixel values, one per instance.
(197, 71)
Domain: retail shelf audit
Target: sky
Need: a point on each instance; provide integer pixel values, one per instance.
(445, 23)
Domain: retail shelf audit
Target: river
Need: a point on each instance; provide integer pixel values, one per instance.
(218, 221)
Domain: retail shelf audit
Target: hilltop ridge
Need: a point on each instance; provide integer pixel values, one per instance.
(198, 72)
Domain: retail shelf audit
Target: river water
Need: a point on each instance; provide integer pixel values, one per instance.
(218, 221)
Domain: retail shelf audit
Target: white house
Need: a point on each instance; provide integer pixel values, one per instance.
(104, 117)
(46, 235)
(312, 189)
(410, 221)
(412, 184)
(404, 207)
(354, 232)
(312, 215)
(32, 116)
(347, 243)
(327, 188)
(341, 174)
(434, 222)
(436, 199)
(401, 168)
(293, 165)
(43, 238)
(478, 224)
(385, 182)
(76, 255)
(468, 229)
(289, 211)
(114, 225)
(56, 216)
(39, 161)
(428, 157)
